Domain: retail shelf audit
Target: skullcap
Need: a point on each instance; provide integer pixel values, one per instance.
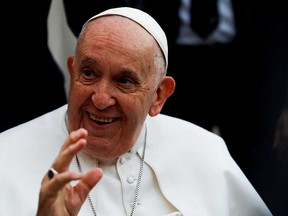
(142, 18)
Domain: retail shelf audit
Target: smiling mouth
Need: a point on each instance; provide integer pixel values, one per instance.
(99, 120)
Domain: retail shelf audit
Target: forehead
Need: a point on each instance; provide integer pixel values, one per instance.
(115, 31)
(118, 25)
(120, 37)
(143, 19)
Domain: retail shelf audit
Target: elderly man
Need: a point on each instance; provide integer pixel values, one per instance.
(110, 150)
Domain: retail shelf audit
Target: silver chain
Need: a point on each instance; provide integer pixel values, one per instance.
(89, 198)
(138, 181)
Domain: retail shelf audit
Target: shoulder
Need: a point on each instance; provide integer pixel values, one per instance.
(44, 122)
(182, 153)
(36, 134)
(187, 139)
(27, 151)
(179, 129)
(36, 140)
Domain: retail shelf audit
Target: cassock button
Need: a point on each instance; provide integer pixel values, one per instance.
(130, 180)
(122, 160)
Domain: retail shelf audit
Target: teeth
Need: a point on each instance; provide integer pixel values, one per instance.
(105, 120)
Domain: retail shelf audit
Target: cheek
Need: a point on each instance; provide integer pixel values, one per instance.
(131, 105)
(79, 93)
(141, 104)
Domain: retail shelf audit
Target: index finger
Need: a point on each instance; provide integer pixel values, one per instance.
(73, 144)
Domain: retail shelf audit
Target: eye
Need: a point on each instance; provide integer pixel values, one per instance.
(125, 80)
(127, 83)
(88, 73)
(87, 76)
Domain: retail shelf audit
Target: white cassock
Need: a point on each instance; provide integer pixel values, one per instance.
(188, 171)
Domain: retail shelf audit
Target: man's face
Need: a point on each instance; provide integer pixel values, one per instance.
(113, 84)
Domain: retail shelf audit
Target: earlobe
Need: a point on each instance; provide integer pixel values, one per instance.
(164, 91)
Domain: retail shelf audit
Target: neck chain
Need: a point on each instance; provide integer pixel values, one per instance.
(138, 181)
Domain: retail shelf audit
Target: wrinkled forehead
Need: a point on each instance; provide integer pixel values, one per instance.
(143, 19)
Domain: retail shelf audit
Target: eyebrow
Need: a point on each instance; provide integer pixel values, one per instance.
(88, 60)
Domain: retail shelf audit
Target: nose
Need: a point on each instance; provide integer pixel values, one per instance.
(102, 97)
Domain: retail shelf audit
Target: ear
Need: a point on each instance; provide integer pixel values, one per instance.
(70, 61)
(165, 89)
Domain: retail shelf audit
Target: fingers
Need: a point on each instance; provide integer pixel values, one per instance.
(57, 195)
(60, 180)
(87, 182)
(83, 187)
(91, 178)
(73, 144)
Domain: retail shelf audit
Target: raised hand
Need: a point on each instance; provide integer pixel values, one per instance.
(57, 195)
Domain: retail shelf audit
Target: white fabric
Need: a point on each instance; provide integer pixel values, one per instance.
(144, 20)
(117, 187)
(193, 168)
